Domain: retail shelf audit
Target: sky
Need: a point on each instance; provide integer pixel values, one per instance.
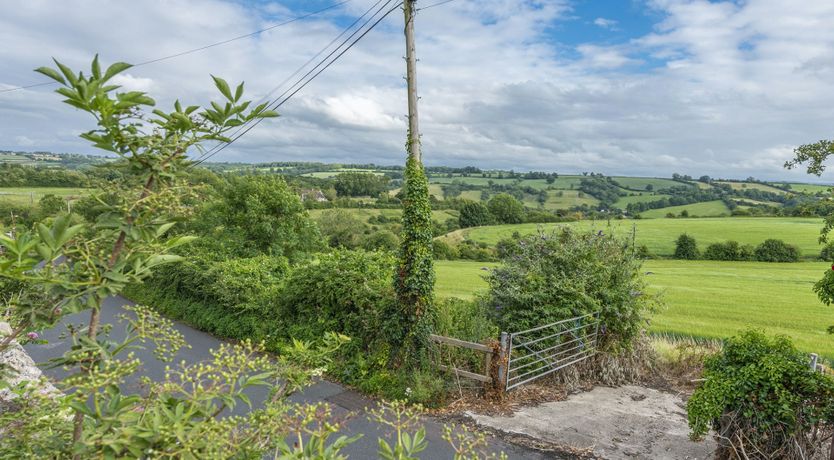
(625, 87)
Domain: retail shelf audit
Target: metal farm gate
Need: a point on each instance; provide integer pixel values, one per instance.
(542, 350)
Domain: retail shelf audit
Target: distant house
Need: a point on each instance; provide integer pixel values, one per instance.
(313, 194)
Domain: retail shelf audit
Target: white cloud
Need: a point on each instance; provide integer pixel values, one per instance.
(606, 23)
(716, 88)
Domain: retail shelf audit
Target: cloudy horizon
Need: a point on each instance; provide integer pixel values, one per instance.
(654, 87)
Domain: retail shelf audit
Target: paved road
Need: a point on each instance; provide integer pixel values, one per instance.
(345, 402)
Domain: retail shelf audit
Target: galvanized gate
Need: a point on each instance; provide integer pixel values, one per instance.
(542, 350)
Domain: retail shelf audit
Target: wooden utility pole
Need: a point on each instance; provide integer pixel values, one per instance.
(411, 78)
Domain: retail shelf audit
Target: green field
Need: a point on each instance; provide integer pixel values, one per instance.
(568, 199)
(640, 183)
(752, 186)
(659, 234)
(708, 299)
(706, 209)
(365, 214)
(644, 197)
(809, 188)
(31, 195)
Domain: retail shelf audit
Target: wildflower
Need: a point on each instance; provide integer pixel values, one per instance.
(32, 335)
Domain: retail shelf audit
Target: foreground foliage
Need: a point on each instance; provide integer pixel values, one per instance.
(762, 398)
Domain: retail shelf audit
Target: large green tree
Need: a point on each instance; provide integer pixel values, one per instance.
(506, 209)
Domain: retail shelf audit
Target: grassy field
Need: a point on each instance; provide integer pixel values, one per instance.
(640, 183)
(644, 197)
(810, 188)
(365, 214)
(660, 234)
(706, 209)
(752, 186)
(708, 299)
(31, 195)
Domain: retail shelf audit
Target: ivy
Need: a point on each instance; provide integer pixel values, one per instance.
(414, 277)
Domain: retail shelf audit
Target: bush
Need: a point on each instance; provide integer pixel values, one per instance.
(564, 274)
(761, 396)
(773, 250)
(474, 214)
(827, 252)
(344, 291)
(474, 251)
(382, 240)
(443, 251)
(341, 228)
(686, 248)
(245, 283)
(729, 250)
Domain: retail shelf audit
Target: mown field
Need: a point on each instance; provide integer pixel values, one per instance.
(30, 195)
(715, 208)
(708, 299)
(659, 234)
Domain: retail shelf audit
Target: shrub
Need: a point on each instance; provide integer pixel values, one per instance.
(686, 247)
(245, 283)
(565, 274)
(344, 291)
(341, 228)
(773, 250)
(827, 252)
(50, 205)
(443, 251)
(473, 251)
(474, 214)
(761, 396)
(729, 250)
(507, 247)
(382, 240)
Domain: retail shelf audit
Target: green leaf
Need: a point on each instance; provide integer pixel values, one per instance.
(239, 92)
(51, 73)
(67, 72)
(96, 68)
(223, 87)
(114, 69)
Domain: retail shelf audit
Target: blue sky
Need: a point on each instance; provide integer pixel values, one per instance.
(648, 87)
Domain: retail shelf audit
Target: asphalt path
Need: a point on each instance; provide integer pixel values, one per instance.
(345, 403)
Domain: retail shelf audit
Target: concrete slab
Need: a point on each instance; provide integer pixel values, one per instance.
(616, 423)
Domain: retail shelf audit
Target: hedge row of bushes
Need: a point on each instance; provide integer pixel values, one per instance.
(770, 250)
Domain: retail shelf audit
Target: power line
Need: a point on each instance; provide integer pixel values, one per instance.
(288, 97)
(202, 48)
(219, 145)
(435, 4)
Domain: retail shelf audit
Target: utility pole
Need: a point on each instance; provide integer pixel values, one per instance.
(411, 78)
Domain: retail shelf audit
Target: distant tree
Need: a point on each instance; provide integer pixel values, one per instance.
(705, 179)
(506, 209)
(649, 187)
(269, 214)
(356, 183)
(474, 214)
(686, 248)
(684, 213)
(341, 228)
